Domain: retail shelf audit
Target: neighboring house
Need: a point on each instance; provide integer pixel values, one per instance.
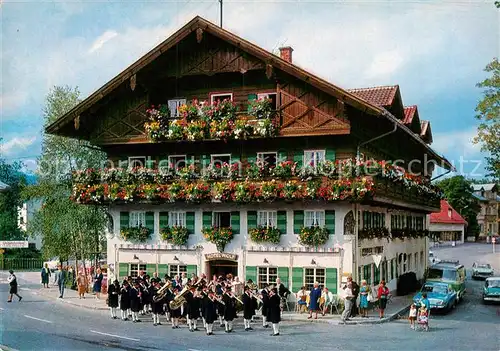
(3, 186)
(214, 186)
(25, 215)
(489, 216)
(447, 226)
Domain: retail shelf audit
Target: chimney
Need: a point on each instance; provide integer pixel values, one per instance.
(286, 53)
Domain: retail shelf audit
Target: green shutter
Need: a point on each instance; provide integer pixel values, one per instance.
(124, 220)
(251, 273)
(282, 221)
(163, 220)
(330, 154)
(251, 219)
(283, 275)
(298, 221)
(252, 97)
(162, 270)
(235, 222)
(150, 221)
(192, 268)
(235, 158)
(376, 275)
(251, 158)
(282, 156)
(207, 219)
(150, 268)
(392, 269)
(205, 161)
(122, 270)
(331, 280)
(330, 221)
(298, 157)
(190, 222)
(297, 278)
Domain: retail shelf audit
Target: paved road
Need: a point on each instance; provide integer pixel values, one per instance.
(40, 324)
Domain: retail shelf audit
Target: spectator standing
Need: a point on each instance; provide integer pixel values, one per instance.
(383, 295)
(364, 291)
(45, 274)
(98, 277)
(355, 292)
(61, 280)
(82, 284)
(314, 297)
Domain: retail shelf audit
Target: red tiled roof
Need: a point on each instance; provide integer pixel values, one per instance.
(443, 215)
(409, 113)
(380, 96)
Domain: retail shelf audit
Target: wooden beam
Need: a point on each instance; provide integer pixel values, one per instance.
(199, 35)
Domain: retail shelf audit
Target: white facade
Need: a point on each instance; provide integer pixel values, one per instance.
(289, 257)
(25, 214)
(455, 229)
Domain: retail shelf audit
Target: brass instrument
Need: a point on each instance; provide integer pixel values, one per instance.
(219, 300)
(160, 295)
(236, 298)
(256, 298)
(179, 299)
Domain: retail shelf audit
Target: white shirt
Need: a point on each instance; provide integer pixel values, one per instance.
(184, 281)
(348, 293)
(11, 278)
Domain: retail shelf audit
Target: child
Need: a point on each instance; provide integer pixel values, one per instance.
(413, 315)
(175, 314)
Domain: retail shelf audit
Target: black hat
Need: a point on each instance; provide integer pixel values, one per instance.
(11, 271)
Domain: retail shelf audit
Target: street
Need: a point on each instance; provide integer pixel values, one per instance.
(39, 323)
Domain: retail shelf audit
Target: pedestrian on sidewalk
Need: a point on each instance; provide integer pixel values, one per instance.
(383, 295)
(61, 280)
(364, 293)
(13, 286)
(45, 273)
(98, 277)
(348, 302)
(413, 315)
(82, 284)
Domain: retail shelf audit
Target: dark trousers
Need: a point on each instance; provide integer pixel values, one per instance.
(354, 308)
(61, 288)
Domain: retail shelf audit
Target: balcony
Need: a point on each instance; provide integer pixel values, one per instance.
(251, 183)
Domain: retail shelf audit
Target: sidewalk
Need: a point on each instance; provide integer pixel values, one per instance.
(70, 296)
(398, 306)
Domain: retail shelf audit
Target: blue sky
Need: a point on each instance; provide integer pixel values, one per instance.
(435, 51)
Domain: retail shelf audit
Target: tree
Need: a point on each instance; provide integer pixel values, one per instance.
(68, 230)
(458, 192)
(488, 113)
(10, 200)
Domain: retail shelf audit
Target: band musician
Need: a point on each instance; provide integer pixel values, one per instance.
(283, 293)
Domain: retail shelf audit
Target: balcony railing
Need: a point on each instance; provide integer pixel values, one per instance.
(248, 183)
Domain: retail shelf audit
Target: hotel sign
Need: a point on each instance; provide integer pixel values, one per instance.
(221, 256)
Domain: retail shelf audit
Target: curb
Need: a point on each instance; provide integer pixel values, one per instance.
(69, 302)
(402, 311)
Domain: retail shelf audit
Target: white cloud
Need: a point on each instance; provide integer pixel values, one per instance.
(457, 144)
(16, 144)
(102, 39)
(10, 100)
(385, 63)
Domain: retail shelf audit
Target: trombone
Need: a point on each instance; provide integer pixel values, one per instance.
(235, 297)
(256, 298)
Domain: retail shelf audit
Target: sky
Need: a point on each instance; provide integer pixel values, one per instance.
(435, 50)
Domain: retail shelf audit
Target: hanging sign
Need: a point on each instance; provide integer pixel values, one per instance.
(14, 244)
(221, 256)
(377, 259)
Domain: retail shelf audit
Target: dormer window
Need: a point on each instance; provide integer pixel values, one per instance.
(221, 97)
(449, 212)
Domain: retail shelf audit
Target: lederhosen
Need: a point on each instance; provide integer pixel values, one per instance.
(229, 307)
(249, 305)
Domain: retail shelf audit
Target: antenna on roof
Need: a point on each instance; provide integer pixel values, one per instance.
(220, 1)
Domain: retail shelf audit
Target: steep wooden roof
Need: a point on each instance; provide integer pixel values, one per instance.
(410, 112)
(358, 98)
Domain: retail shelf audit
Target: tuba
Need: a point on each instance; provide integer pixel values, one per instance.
(179, 299)
(160, 295)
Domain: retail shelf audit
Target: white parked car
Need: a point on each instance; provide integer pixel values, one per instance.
(433, 259)
(481, 270)
(52, 264)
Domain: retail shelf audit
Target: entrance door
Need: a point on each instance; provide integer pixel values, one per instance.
(222, 267)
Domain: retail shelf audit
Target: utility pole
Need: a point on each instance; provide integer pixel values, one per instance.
(220, 1)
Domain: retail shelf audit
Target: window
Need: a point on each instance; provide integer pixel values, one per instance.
(177, 161)
(267, 219)
(220, 159)
(313, 157)
(173, 106)
(314, 275)
(221, 97)
(136, 161)
(422, 259)
(269, 157)
(177, 219)
(267, 275)
(221, 219)
(314, 219)
(137, 219)
(174, 270)
(409, 262)
(135, 269)
(271, 96)
(367, 273)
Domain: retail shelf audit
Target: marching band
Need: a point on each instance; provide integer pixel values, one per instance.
(198, 298)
